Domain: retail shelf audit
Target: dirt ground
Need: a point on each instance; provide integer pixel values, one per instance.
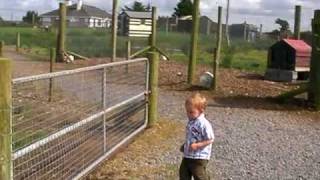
(256, 138)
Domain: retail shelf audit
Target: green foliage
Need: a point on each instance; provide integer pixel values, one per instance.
(284, 25)
(184, 8)
(138, 6)
(28, 17)
(228, 57)
(97, 43)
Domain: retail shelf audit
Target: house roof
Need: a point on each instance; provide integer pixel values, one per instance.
(139, 15)
(86, 10)
(300, 46)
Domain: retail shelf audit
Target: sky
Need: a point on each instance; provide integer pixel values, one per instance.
(253, 11)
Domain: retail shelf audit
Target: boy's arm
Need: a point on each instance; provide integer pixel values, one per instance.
(199, 145)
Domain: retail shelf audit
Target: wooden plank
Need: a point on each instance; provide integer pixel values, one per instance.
(114, 30)
(194, 42)
(18, 42)
(217, 51)
(153, 87)
(1, 48)
(5, 119)
(314, 90)
(61, 33)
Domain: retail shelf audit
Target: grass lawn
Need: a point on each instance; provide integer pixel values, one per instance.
(96, 43)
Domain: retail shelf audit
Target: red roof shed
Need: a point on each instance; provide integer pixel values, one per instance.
(289, 54)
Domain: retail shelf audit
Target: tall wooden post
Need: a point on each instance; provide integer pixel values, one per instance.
(153, 87)
(297, 22)
(167, 25)
(5, 120)
(227, 23)
(1, 48)
(33, 19)
(18, 42)
(61, 33)
(128, 54)
(194, 42)
(154, 28)
(217, 51)
(260, 31)
(314, 88)
(114, 30)
(52, 61)
(245, 35)
(128, 49)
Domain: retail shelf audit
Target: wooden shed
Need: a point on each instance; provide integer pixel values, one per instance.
(135, 24)
(289, 54)
(287, 59)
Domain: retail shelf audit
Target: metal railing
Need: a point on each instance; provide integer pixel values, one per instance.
(65, 123)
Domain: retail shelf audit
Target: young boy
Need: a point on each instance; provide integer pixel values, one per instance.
(199, 139)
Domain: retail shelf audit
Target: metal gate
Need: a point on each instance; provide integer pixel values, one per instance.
(65, 123)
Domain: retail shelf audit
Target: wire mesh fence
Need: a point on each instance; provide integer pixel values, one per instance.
(66, 122)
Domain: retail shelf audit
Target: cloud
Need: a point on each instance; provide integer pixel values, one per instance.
(252, 11)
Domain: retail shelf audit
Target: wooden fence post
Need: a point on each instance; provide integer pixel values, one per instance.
(18, 42)
(194, 42)
(128, 54)
(314, 88)
(153, 87)
(114, 30)
(5, 120)
(128, 49)
(61, 33)
(297, 22)
(1, 48)
(52, 61)
(217, 51)
(33, 20)
(154, 28)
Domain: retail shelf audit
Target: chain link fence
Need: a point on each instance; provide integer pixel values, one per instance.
(65, 123)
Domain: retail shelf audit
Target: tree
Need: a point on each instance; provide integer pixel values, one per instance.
(137, 6)
(184, 8)
(284, 28)
(284, 25)
(28, 17)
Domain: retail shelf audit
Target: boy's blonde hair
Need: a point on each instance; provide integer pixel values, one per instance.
(197, 101)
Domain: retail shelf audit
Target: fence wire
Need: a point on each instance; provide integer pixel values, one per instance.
(63, 123)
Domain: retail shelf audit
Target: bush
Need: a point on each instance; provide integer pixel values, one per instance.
(228, 57)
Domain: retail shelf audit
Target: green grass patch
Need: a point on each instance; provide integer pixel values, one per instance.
(97, 43)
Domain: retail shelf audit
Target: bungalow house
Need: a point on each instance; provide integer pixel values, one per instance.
(135, 24)
(79, 15)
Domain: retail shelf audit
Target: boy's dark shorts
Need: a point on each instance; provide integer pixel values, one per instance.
(196, 168)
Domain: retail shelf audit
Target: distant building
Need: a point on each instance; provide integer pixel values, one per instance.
(135, 24)
(184, 24)
(79, 15)
(248, 32)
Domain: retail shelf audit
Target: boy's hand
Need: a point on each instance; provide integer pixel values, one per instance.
(194, 146)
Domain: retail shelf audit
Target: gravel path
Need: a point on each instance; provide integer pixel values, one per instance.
(256, 143)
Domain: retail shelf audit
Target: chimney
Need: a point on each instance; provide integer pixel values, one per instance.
(79, 5)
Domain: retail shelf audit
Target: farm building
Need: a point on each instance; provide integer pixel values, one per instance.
(79, 15)
(288, 59)
(135, 24)
(248, 32)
